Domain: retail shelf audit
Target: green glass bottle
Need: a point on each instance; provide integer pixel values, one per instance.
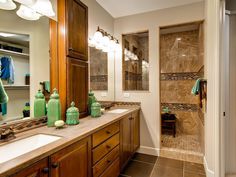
(72, 115)
(54, 108)
(39, 105)
(91, 99)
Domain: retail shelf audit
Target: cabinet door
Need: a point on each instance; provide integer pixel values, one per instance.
(39, 169)
(77, 85)
(125, 140)
(77, 31)
(135, 132)
(73, 161)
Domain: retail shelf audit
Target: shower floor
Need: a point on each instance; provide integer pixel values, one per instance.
(182, 147)
(183, 142)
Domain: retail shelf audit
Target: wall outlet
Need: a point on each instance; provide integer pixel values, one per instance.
(126, 95)
(104, 94)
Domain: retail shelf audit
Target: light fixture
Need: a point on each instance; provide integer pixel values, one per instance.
(6, 34)
(27, 13)
(103, 41)
(7, 5)
(26, 2)
(43, 7)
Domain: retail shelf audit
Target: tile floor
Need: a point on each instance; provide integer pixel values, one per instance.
(143, 165)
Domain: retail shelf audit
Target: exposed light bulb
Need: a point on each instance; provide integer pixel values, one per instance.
(97, 36)
(105, 41)
(7, 5)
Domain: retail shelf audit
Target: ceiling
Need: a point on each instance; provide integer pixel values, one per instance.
(120, 8)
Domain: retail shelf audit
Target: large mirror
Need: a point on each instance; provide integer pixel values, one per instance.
(24, 58)
(135, 61)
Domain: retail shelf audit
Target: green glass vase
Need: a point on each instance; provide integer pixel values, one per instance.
(96, 110)
(39, 105)
(91, 99)
(72, 115)
(54, 108)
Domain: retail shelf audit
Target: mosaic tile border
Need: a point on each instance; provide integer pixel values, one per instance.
(180, 76)
(99, 78)
(180, 107)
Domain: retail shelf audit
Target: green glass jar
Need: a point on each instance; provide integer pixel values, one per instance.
(96, 109)
(54, 108)
(39, 105)
(91, 99)
(72, 115)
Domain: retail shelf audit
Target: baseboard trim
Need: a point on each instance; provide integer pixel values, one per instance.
(149, 150)
(209, 173)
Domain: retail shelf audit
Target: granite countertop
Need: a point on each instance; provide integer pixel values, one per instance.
(68, 135)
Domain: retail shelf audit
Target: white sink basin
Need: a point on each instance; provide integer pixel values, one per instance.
(117, 111)
(23, 146)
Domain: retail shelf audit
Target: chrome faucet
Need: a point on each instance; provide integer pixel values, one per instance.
(6, 134)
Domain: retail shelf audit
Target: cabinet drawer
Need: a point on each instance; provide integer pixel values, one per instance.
(102, 165)
(105, 133)
(113, 170)
(105, 148)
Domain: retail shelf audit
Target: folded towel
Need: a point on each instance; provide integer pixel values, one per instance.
(196, 87)
(47, 86)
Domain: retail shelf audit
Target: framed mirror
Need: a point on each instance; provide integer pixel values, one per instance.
(25, 64)
(98, 69)
(135, 54)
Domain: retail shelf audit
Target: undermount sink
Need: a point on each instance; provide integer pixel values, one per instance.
(17, 148)
(118, 111)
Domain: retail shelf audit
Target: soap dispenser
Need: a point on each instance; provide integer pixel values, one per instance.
(72, 115)
(54, 108)
(39, 105)
(91, 99)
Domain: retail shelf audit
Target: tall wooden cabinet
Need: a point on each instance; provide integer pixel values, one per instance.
(69, 60)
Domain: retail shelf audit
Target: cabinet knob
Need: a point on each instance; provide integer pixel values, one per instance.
(54, 165)
(108, 161)
(108, 147)
(108, 132)
(130, 118)
(45, 170)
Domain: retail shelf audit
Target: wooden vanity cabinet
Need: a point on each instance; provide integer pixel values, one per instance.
(72, 161)
(130, 137)
(39, 169)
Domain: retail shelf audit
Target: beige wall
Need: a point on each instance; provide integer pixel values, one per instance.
(39, 45)
(150, 120)
(99, 17)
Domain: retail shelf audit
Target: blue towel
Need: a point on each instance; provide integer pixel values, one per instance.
(5, 68)
(196, 87)
(4, 108)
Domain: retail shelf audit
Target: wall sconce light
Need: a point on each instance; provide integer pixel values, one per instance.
(27, 13)
(7, 5)
(104, 41)
(29, 9)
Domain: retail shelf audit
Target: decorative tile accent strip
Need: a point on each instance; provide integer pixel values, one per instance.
(98, 78)
(118, 103)
(180, 107)
(180, 76)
